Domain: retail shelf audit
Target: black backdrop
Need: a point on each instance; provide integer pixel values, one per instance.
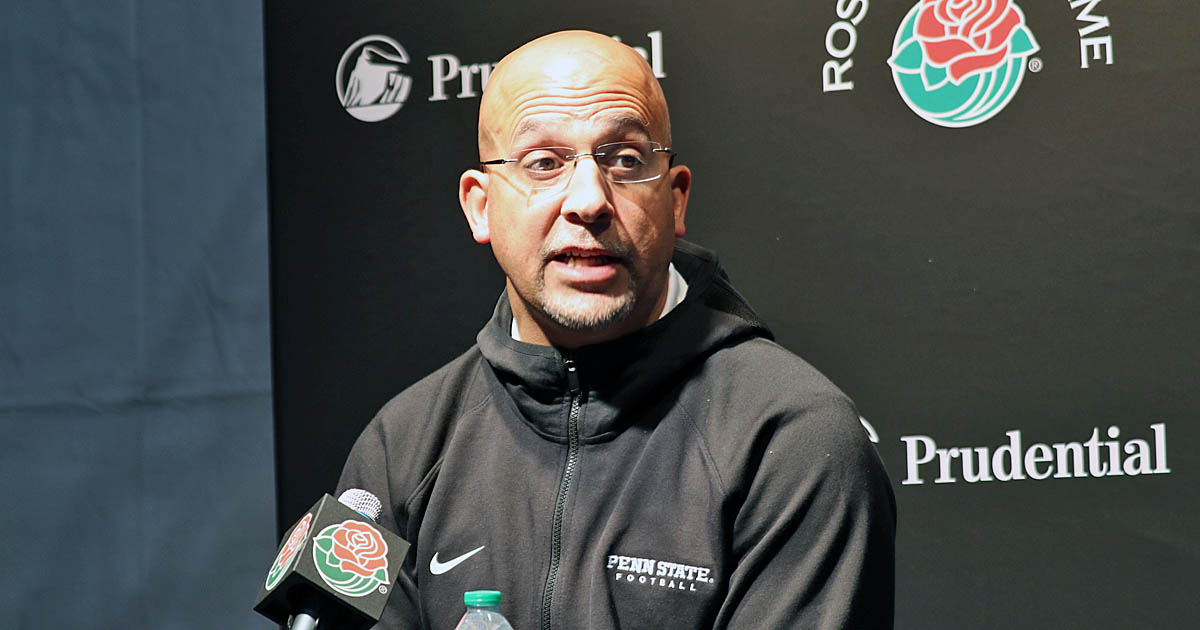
(1035, 273)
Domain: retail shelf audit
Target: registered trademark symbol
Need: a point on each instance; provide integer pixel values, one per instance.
(1035, 65)
(382, 589)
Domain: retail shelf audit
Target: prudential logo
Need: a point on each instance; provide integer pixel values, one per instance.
(957, 63)
(370, 85)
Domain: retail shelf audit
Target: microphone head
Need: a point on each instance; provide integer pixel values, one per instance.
(362, 502)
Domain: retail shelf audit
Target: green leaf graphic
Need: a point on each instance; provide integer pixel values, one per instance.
(933, 77)
(381, 575)
(1022, 43)
(333, 568)
(909, 58)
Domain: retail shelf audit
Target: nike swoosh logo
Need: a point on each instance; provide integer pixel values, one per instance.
(438, 568)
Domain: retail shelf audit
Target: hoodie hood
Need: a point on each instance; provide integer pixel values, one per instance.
(626, 373)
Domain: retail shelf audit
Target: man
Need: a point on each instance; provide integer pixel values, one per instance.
(624, 447)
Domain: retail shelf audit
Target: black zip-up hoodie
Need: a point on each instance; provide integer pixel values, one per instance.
(692, 474)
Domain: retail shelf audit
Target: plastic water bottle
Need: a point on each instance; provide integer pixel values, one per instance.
(483, 612)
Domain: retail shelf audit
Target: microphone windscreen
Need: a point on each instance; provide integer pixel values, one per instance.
(362, 502)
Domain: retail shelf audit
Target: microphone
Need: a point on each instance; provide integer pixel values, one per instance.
(335, 565)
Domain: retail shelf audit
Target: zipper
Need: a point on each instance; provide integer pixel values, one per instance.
(564, 487)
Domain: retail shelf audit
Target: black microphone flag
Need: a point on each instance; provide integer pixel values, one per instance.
(335, 563)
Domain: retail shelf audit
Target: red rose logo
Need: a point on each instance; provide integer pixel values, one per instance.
(966, 36)
(360, 549)
(284, 560)
(293, 541)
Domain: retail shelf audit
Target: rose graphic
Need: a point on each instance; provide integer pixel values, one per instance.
(360, 548)
(957, 63)
(284, 559)
(351, 557)
(293, 542)
(966, 36)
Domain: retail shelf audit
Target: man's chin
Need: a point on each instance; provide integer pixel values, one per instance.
(589, 313)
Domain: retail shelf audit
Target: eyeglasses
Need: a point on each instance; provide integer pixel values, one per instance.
(543, 168)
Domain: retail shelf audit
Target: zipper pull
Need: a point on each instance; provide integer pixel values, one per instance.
(572, 375)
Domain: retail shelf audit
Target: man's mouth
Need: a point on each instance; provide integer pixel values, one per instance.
(585, 258)
(585, 266)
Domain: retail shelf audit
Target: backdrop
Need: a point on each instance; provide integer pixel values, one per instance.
(989, 239)
(135, 403)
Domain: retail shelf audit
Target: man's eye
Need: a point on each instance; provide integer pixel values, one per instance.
(624, 160)
(628, 161)
(541, 162)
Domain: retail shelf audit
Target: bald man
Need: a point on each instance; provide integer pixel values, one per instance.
(624, 446)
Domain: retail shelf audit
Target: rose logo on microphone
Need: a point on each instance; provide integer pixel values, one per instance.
(288, 553)
(957, 63)
(351, 558)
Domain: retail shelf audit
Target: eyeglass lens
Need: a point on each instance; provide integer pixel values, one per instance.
(621, 162)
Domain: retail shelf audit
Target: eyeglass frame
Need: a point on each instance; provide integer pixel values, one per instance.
(574, 157)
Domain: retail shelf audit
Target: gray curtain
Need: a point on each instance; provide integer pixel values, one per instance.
(135, 403)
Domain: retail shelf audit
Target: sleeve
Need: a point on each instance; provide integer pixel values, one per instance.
(367, 468)
(814, 539)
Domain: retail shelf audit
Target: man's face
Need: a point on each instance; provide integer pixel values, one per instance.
(586, 261)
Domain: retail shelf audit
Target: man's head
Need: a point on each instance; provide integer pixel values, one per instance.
(584, 244)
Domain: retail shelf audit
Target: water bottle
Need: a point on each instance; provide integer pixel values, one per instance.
(483, 612)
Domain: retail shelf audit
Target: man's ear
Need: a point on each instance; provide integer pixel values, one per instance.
(472, 196)
(681, 187)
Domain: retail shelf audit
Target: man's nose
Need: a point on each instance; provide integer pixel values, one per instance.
(586, 196)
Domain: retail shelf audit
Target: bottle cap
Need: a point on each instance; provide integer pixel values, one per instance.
(482, 598)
